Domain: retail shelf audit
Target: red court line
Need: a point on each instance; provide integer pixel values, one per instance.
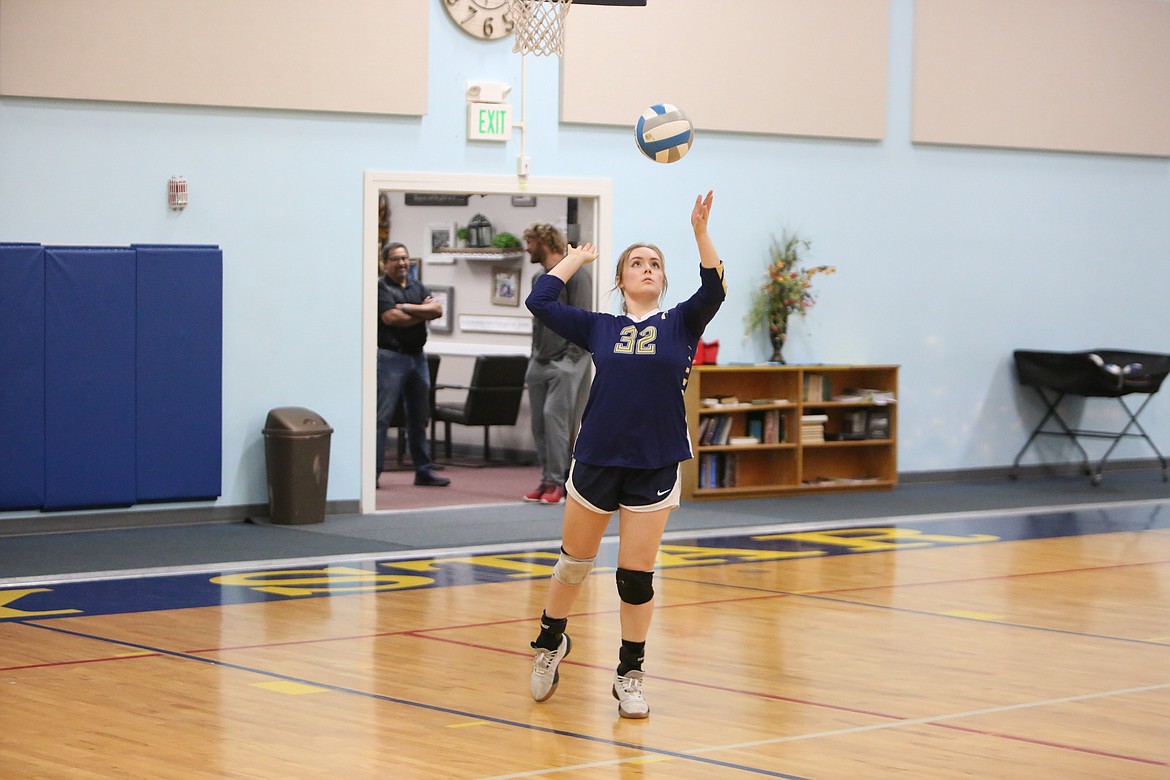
(53, 664)
(426, 634)
(639, 747)
(992, 578)
(423, 634)
(820, 705)
(764, 596)
(1047, 743)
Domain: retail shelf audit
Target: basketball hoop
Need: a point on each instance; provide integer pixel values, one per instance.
(540, 26)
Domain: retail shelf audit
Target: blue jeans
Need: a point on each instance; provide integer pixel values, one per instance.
(405, 377)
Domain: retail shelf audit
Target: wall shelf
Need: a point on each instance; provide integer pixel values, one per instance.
(808, 443)
(483, 255)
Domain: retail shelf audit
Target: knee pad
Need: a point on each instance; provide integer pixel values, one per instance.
(635, 587)
(570, 570)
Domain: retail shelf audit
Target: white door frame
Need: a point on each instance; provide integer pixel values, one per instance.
(378, 181)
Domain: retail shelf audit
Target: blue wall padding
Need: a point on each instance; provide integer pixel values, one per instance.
(22, 368)
(89, 377)
(179, 388)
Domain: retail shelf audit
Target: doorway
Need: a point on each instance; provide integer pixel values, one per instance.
(596, 197)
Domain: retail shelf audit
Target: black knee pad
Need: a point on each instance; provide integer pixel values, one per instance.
(635, 587)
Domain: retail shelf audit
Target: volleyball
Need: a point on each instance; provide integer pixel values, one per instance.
(664, 133)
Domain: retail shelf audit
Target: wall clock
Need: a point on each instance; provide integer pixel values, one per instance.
(487, 20)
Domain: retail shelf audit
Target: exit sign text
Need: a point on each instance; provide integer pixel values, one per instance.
(489, 121)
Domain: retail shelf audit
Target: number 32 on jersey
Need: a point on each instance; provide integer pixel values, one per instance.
(630, 342)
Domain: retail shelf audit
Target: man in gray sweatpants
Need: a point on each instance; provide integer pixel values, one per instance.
(556, 371)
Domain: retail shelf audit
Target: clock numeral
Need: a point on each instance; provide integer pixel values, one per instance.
(497, 21)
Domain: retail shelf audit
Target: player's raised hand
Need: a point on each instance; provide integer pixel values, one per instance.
(702, 211)
(586, 253)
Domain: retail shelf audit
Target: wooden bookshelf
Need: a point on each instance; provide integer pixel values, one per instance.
(820, 444)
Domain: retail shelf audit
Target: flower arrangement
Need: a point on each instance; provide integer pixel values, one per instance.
(786, 290)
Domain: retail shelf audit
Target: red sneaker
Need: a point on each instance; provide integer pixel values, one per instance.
(535, 495)
(553, 495)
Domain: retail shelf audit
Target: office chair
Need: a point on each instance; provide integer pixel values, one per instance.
(493, 398)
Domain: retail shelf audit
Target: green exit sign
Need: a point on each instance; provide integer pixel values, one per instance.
(489, 121)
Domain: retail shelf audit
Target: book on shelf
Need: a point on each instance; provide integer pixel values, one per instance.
(720, 401)
(714, 429)
(754, 423)
(812, 427)
(730, 470)
(723, 430)
(706, 430)
(817, 388)
(743, 441)
(853, 425)
(718, 470)
(841, 481)
(775, 432)
(877, 424)
(865, 395)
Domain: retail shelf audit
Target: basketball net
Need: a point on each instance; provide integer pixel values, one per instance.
(540, 26)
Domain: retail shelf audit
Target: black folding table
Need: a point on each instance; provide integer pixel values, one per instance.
(1099, 373)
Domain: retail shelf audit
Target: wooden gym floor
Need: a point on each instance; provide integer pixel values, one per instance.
(1011, 645)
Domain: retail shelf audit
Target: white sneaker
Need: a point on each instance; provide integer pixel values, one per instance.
(628, 691)
(544, 669)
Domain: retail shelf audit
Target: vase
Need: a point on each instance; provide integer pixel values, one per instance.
(778, 338)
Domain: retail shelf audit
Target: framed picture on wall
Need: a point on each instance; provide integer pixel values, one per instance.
(436, 237)
(523, 201)
(506, 286)
(446, 297)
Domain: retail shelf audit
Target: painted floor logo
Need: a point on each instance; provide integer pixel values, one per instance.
(144, 594)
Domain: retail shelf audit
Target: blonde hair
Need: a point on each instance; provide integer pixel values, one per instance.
(548, 235)
(624, 259)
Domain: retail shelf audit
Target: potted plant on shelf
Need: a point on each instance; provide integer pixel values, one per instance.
(785, 290)
(505, 241)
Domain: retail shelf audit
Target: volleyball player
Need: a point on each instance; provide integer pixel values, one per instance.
(633, 437)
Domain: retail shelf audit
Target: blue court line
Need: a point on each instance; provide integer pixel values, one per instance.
(418, 705)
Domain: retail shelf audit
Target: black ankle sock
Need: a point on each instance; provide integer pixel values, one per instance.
(630, 657)
(551, 631)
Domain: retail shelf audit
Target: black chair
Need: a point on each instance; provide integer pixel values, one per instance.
(399, 419)
(493, 398)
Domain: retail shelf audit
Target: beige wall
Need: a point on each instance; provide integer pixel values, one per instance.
(291, 54)
(1075, 75)
(787, 67)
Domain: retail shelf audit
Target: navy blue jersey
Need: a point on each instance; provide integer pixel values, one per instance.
(635, 416)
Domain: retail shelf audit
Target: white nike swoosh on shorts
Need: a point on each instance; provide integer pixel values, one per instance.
(663, 492)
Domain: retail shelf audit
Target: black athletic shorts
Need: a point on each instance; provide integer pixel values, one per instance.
(607, 488)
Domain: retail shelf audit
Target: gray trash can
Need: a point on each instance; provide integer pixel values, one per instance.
(296, 453)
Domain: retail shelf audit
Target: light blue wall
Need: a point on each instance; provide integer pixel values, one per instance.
(947, 258)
